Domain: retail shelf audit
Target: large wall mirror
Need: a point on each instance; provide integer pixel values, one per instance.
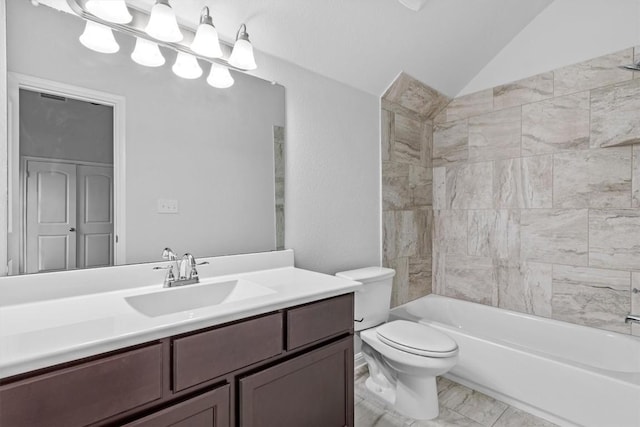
(109, 161)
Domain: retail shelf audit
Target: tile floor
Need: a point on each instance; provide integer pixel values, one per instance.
(459, 407)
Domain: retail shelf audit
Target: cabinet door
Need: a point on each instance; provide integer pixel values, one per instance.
(312, 390)
(210, 409)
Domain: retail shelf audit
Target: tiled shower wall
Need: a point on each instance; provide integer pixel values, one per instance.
(407, 136)
(536, 195)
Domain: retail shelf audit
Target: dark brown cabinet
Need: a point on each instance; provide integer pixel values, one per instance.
(289, 368)
(312, 390)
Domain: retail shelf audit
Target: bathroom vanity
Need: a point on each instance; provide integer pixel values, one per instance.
(283, 358)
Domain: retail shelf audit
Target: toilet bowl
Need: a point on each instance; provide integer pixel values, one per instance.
(403, 357)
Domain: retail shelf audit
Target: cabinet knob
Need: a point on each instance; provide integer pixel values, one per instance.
(72, 229)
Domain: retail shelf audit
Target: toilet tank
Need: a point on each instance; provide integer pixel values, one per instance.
(373, 298)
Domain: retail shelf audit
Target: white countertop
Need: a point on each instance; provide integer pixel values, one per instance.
(43, 333)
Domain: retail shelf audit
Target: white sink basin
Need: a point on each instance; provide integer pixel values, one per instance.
(191, 297)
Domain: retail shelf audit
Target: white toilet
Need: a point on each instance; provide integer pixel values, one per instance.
(404, 357)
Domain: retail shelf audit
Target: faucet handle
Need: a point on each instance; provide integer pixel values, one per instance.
(170, 277)
(168, 254)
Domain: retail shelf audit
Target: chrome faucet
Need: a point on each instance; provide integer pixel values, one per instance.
(188, 262)
(632, 318)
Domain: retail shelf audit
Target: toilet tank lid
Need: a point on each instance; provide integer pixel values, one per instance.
(367, 274)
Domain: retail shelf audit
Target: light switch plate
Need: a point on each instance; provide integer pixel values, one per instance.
(167, 206)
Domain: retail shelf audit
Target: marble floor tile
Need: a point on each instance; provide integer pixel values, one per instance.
(614, 114)
(523, 91)
(514, 417)
(447, 418)
(472, 404)
(367, 414)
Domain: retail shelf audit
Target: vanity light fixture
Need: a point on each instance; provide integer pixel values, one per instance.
(99, 38)
(147, 53)
(186, 66)
(242, 54)
(220, 77)
(110, 10)
(206, 42)
(162, 30)
(163, 24)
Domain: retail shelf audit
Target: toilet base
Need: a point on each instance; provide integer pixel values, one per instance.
(417, 397)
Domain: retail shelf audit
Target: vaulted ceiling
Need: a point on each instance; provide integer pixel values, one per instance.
(366, 43)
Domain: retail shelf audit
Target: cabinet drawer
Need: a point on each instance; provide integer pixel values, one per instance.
(208, 355)
(85, 393)
(319, 320)
(210, 409)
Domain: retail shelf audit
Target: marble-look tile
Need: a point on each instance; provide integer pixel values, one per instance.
(635, 177)
(400, 291)
(424, 225)
(554, 235)
(592, 297)
(406, 233)
(400, 110)
(557, 124)
(441, 117)
(523, 182)
(389, 251)
(471, 279)
(533, 292)
(494, 234)
(450, 143)
(470, 105)
(598, 72)
(614, 114)
(421, 185)
(450, 232)
(613, 238)
(387, 133)
(440, 188)
(366, 414)
(531, 89)
(513, 417)
(279, 227)
(396, 193)
(494, 136)
(416, 96)
(470, 186)
(419, 277)
(635, 301)
(593, 178)
(472, 404)
(636, 58)
(447, 418)
(438, 260)
(410, 142)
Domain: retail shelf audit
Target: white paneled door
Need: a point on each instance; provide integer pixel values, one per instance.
(69, 213)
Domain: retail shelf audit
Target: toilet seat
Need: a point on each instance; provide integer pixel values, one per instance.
(417, 339)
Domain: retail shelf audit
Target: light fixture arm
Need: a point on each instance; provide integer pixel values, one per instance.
(205, 17)
(77, 6)
(242, 33)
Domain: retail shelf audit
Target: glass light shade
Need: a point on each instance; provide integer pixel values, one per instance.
(242, 55)
(110, 10)
(186, 66)
(147, 53)
(162, 23)
(99, 38)
(220, 77)
(206, 41)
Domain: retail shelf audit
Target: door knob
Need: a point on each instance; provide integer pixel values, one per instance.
(72, 229)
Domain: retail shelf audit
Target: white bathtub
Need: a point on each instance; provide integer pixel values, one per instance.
(568, 374)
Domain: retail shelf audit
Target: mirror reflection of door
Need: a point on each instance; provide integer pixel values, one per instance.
(66, 152)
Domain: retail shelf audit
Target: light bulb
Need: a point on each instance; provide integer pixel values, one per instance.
(162, 23)
(186, 66)
(110, 10)
(147, 53)
(206, 41)
(99, 38)
(242, 54)
(220, 77)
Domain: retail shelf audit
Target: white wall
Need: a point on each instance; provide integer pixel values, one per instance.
(566, 32)
(332, 193)
(3, 135)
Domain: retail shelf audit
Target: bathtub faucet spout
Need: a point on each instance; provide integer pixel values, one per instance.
(632, 318)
